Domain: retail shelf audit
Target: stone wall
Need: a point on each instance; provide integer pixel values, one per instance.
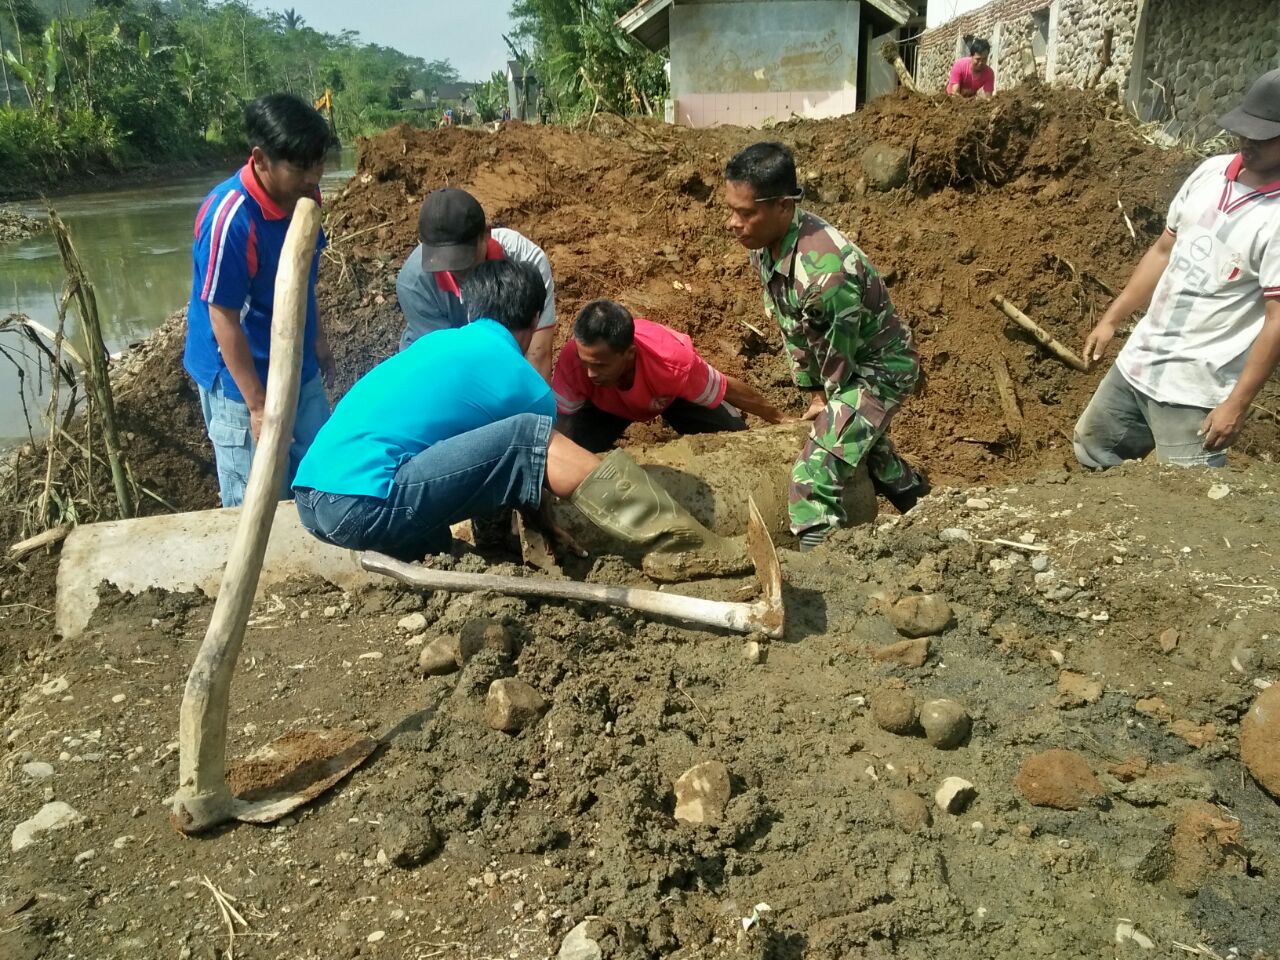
(1082, 26)
(1203, 65)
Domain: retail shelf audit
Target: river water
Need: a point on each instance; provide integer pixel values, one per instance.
(135, 244)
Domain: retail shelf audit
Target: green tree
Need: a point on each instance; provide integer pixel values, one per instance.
(584, 62)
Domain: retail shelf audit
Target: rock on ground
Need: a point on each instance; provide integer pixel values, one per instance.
(894, 710)
(1076, 690)
(1260, 740)
(1205, 842)
(512, 705)
(920, 615)
(702, 793)
(885, 166)
(52, 816)
(908, 810)
(412, 623)
(909, 653)
(954, 794)
(409, 844)
(946, 723)
(1057, 778)
(582, 942)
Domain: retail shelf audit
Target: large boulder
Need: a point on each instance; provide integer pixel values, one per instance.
(1260, 740)
(885, 166)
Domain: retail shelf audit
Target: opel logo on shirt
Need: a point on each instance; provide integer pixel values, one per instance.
(1202, 247)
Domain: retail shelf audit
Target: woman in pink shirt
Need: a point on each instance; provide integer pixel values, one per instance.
(970, 76)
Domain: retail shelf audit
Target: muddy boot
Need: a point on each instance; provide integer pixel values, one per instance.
(623, 500)
(904, 500)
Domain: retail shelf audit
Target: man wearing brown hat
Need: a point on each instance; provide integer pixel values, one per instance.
(454, 237)
(1210, 339)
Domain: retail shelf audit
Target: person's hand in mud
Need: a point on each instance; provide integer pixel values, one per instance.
(816, 405)
(1222, 425)
(1096, 343)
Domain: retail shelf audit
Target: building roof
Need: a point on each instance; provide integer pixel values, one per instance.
(649, 21)
(517, 71)
(453, 91)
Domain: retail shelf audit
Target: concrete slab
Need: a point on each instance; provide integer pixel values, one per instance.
(184, 552)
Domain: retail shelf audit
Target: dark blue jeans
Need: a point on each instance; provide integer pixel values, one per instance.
(473, 474)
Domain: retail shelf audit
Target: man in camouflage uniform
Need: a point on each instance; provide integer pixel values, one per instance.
(844, 341)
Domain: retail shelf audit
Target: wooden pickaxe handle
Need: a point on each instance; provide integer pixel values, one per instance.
(203, 800)
(738, 617)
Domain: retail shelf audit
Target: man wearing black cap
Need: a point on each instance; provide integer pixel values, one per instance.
(1210, 339)
(454, 237)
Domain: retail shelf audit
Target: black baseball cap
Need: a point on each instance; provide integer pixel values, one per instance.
(449, 224)
(1258, 117)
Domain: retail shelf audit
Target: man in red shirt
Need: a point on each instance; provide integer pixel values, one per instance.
(971, 76)
(618, 370)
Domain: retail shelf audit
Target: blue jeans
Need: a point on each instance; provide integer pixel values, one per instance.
(227, 421)
(474, 474)
(1121, 423)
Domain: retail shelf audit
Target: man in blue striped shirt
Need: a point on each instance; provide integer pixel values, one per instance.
(239, 234)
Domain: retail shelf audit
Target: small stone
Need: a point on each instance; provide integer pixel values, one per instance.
(52, 816)
(439, 657)
(909, 653)
(512, 705)
(1039, 563)
(954, 795)
(894, 710)
(330, 612)
(582, 942)
(409, 842)
(920, 615)
(1218, 491)
(702, 793)
(1260, 740)
(375, 936)
(978, 503)
(946, 723)
(955, 535)
(753, 651)
(84, 856)
(908, 810)
(413, 623)
(1205, 842)
(1168, 640)
(1058, 778)
(38, 770)
(1076, 690)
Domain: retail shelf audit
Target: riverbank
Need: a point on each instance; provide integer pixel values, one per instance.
(98, 179)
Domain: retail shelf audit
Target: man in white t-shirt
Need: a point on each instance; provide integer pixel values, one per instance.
(1184, 381)
(455, 237)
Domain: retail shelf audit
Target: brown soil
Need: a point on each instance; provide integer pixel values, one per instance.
(458, 840)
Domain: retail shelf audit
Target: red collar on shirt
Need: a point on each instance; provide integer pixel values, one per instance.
(270, 209)
(445, 281)
(1237, 165)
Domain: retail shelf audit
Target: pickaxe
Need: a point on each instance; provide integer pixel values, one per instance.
(764, 616)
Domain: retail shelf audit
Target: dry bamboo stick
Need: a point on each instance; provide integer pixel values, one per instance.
(1042, 336)
(1008, 398)
(48, 538)
(99, 379)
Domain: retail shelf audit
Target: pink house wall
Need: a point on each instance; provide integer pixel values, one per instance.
(753, 109)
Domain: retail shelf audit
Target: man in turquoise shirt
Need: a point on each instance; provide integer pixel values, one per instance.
(459, 425)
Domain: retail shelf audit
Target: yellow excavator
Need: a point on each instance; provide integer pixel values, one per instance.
(325, 105)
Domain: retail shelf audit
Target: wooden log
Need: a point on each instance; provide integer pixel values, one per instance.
(1008, 398)
(1042, 336)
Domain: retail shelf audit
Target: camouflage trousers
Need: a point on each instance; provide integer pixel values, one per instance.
(853, 427)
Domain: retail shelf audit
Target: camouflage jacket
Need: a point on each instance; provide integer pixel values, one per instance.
(837, 321)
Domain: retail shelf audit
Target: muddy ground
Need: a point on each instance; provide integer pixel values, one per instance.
(457, 840)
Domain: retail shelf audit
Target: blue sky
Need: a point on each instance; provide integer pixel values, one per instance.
(467, 33)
